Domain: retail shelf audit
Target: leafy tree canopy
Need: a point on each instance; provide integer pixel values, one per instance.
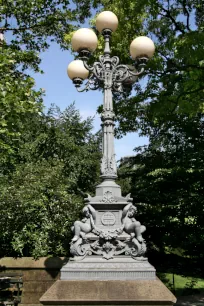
(56, 164)
(166, 180)
(30, 27)
(18, 100)
(47, 162)
(26, 29)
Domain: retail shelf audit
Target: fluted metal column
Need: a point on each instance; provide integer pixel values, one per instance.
(108, 162)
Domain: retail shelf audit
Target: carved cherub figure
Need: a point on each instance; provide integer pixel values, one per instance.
(84, 226)
(131, 225)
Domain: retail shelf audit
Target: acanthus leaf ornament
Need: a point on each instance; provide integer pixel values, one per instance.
(108, 167)
(108, 197)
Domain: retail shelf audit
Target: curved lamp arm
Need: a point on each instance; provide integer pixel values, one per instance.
(87, 66)
(91, 84)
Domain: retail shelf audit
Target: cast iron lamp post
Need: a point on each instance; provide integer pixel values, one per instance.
(108, 249)
(109, 74)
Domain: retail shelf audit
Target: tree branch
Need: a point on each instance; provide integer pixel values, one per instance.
(4, 29)
(186, 12)
(168, 15)
(186, 93)
(177, 67)
(43, 23)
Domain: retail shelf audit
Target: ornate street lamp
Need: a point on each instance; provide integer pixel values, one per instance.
(108, 265)
(109, 218)
(109, 74)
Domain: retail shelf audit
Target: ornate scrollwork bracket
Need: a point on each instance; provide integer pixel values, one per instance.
(108, 73)
(91, 84)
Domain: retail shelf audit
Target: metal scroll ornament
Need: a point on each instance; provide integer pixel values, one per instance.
(109, 72)
(108, 245)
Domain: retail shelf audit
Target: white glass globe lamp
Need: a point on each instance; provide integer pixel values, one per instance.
(106, 20)
(142, 46)
(76, 70)
(84, 39)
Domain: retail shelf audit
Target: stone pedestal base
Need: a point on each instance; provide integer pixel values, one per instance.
(107, 292)
(118, 268)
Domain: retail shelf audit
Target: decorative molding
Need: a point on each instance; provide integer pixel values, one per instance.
(108, 197)
(108, 218)
(108, 166)
(106, 272)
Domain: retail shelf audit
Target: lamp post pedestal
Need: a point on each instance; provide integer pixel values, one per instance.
(108, 267)
(108, 292)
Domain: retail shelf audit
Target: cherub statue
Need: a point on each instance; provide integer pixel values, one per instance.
(84, 226)
(131, 225)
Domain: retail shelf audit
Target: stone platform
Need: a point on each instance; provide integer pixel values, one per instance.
(118, 268)
(108, 292)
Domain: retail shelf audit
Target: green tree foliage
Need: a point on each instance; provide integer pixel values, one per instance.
(57, 164)
(18, 100)
(166, 178)
(30, 27)
(26, 29)
(47, 162)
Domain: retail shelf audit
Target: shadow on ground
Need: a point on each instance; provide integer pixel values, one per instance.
(192, 300)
